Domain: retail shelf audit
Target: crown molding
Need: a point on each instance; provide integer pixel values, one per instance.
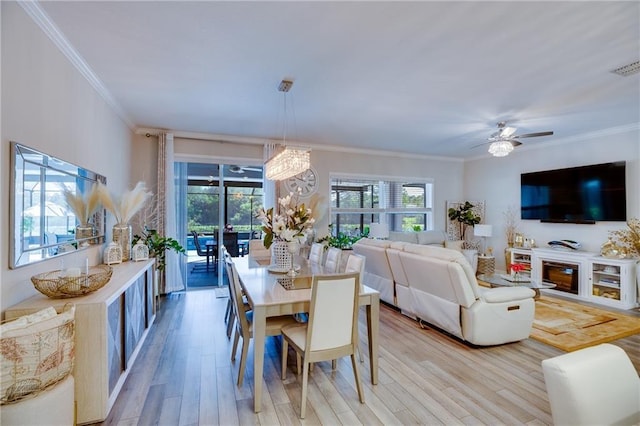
(312, 147)
(44, 22)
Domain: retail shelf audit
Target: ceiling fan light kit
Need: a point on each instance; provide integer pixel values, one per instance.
(500, 148)
(504, 140)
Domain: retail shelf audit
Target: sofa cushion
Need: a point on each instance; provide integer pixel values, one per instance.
(407, 237)
(372, 242)
(432, 238)
(454, 245)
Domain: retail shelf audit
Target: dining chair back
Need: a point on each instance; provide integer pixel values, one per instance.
(316, 253)
(355, 263)
(243, 320)
(332, 263)
(202, 251)
(332, 330)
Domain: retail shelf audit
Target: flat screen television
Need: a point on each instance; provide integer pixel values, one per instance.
(583, 194)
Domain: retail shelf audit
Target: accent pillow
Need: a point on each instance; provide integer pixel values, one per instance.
(431, 238)
(454, 245)
(36, 353)
(407, 237)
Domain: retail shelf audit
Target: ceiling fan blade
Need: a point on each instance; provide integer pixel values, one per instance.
(534, 135)
(507, 131)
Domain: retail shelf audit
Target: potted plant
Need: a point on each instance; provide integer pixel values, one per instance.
(158, 246)
(465, 217)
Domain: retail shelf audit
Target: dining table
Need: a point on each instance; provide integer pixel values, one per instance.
(271, 292)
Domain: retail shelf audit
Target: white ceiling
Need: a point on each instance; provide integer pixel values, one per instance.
(430, 78)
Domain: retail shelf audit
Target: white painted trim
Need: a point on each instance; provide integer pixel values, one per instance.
(40, 17)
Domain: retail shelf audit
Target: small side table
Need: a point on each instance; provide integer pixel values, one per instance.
(486, 265)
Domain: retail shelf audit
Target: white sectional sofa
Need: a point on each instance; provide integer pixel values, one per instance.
(438, 285)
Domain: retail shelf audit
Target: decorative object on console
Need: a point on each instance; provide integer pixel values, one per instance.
(157, 246)
(140, 251)
(123, 209)
(83, 207)
(510, 224)
(112, 253)
(483, 231)
(627, 241)
(379, 231)
(290, 161)
(564, 244)
(62, 285)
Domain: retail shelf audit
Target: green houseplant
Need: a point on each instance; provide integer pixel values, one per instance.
(465, 216)
(158, 246)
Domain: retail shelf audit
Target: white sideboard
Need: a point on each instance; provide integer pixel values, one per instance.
(111, 325)
(611, 282)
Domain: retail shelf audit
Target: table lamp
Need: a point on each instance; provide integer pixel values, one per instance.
(483, 231)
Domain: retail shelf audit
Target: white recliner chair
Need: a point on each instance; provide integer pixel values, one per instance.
(593, 386)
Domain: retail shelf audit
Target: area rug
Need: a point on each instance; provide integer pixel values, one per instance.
(571, 326)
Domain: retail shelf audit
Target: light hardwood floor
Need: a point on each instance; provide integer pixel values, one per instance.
(184, 376)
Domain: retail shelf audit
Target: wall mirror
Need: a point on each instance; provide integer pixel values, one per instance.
(43, 225)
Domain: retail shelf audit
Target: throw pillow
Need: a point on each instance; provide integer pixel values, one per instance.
(36, 354)
(454, 245)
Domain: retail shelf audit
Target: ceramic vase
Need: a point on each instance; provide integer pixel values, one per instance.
(122, 234)
(281, 258)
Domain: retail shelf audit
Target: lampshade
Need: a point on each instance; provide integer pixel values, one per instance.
(500, 148)
(482, 230)
(289, 162)
(378, 230)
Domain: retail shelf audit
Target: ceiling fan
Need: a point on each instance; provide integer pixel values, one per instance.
(242, 169)
(504, 140)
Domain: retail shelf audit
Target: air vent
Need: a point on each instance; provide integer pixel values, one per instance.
(627, 70)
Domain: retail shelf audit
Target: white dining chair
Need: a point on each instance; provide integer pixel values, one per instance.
(244, 328)
(332, 262)
(316, 253)
(332, 330)
(355, 263)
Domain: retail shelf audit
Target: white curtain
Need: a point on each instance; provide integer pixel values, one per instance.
(269, 187)
(167, 212)
(180, 186)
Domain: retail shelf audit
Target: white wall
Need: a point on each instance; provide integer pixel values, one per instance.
(49, 106)
(497, 181)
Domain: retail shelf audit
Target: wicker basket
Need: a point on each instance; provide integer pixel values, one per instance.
(54, 285)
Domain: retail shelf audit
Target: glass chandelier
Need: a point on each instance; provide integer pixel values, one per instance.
(500, 148)
(289, 162)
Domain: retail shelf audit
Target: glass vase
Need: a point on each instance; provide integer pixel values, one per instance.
(84, 234)
(122, 234)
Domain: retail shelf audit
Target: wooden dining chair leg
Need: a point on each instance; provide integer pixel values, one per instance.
(298, 363)
(305, 382)
(285, 349)
(227, 313)
(356, 373)
(243, 361)
(234, 349)
(232, 320)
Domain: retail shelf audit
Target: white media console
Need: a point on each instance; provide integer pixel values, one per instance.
(583, 275)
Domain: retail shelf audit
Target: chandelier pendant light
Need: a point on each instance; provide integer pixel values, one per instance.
(290, 161)
(500, 148)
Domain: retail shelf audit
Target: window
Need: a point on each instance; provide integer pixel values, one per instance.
(405, 204)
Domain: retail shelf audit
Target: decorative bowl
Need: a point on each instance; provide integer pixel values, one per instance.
(56, 285)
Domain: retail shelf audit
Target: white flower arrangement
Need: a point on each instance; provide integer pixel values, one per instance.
(123, 208)
(293, 223)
